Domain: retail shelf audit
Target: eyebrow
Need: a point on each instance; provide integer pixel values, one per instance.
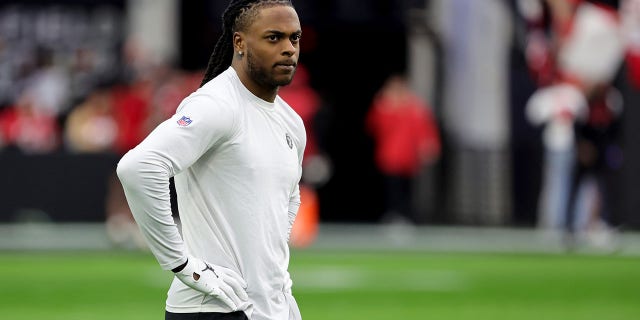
(281, 33)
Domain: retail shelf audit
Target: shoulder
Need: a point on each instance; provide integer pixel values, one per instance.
(217, 95)
(289, 113)
(208, 108)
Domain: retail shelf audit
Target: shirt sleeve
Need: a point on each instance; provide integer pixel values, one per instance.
(294, 199)
(199, 123)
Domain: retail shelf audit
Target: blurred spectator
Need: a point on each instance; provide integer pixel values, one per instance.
(574, 62)
(556, 108)
(406, 137)
(131, 109)
(90, 126)
(28, 128)
(93, 127)
(49, 85)
(598, 153)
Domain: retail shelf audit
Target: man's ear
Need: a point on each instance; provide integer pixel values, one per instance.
(238, 42)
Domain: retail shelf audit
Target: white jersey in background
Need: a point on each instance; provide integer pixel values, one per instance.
(236, 160)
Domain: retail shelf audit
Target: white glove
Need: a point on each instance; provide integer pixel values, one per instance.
(220, 282)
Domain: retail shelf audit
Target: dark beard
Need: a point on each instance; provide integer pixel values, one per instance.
(263, 77)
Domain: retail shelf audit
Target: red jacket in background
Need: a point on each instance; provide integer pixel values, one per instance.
(405, 134)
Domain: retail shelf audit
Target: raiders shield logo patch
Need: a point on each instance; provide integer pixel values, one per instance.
(289, 140)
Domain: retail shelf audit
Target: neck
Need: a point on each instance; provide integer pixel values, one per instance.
(262, 92)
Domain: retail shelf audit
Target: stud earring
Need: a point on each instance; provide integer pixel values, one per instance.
(240, 53)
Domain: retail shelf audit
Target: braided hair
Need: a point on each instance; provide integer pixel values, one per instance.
(238, 15)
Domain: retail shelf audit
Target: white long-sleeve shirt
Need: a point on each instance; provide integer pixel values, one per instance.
(236, 160)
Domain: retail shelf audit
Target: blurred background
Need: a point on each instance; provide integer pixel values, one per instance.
(434, 127)
(82, 82)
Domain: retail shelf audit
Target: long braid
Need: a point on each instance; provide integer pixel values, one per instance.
(222, 54)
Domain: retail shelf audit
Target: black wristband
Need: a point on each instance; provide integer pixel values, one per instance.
(180, 267)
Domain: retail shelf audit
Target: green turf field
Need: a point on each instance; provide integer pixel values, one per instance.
(340, 286)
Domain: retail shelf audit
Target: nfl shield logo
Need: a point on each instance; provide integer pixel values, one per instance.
(184, 121)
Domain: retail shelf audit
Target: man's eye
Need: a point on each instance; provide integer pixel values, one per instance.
(273, 37)
(296, 37)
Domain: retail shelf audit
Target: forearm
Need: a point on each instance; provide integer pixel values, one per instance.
(294, 205)
(146, 186)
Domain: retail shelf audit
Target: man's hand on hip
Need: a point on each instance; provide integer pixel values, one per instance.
(217, 281)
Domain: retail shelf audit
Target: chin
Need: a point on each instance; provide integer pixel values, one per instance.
(283, 81)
